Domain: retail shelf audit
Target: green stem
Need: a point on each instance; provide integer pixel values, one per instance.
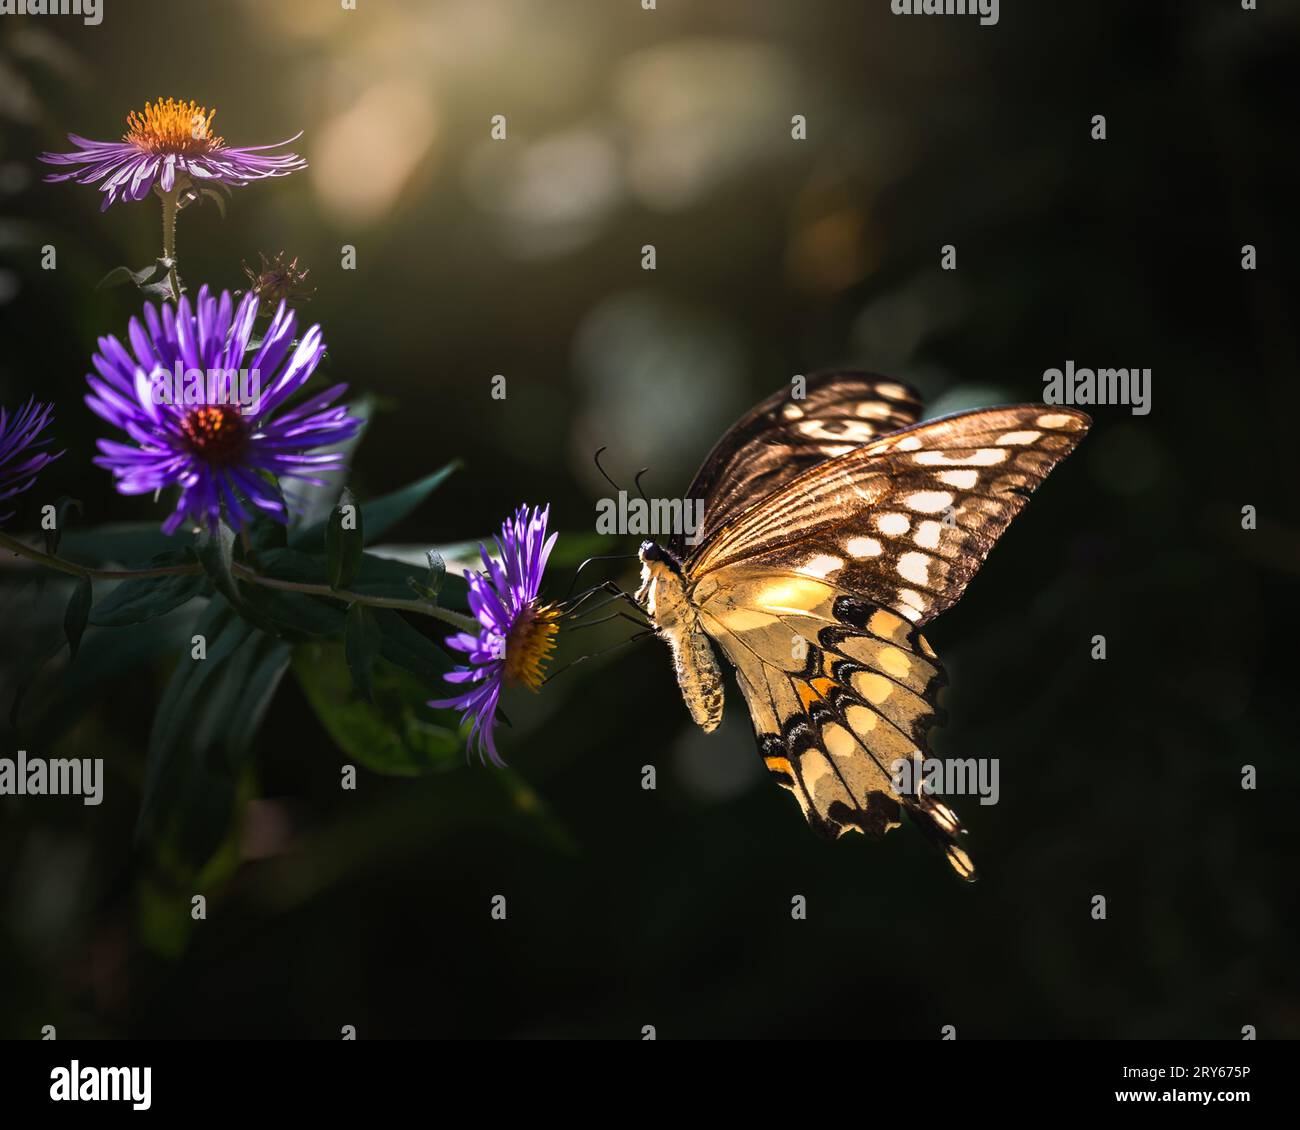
(170, 207)
(244, 573)
(22, 549)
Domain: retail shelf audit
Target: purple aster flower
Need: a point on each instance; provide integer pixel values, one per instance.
(21, 457)
(166, 144)
(516, 634)
(203, 417)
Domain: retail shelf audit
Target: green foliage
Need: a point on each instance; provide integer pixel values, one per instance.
(204, 726)
(383, 513)
(139, 600)
(78, 612)
(344, 538)
(361, 644)
(395, 734)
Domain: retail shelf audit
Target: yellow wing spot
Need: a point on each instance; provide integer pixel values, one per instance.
(874, 688)
(885, 624)
(961, 862)
(1056, 420)
(928, 534)
(929, 501)
(893, 524)
(911, 443)
(914, 567)
(913, 603)
(813, 767)
(823, 565)
(839, 742)
(1024, 437)
(861, 719)
(874, 410)
(863, 547)
(893, 391)
(984, 457)
(962, 480)
(893, 662)
(792, 412)
(944, 816)
(792, 596)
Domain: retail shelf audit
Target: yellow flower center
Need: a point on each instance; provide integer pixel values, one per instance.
(529, 645)
(172, 127)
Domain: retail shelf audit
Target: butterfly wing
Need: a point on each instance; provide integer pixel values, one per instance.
(841, 693)
(784, 436)
(815, 596)
(905, 521)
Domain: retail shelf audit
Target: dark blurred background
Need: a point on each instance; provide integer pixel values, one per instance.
(625, 127)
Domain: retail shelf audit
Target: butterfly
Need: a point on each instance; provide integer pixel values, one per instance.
(834, 526)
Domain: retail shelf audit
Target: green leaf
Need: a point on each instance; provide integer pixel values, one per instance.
(123, 542)
(361, 644)
(383, 513)
(135, 601)
(408, 648)
(377, 576)
(344, 538)
(77, 613)
(206, 721)
(120, 276)
(396, 734)
(295, 615)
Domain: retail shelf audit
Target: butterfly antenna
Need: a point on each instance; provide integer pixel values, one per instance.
(598, 557)
(637, 480)
(596, 459)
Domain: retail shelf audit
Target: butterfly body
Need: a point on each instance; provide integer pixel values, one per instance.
(833, 527)
(664, 597)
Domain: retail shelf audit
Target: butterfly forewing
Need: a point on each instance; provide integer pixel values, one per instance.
(905, 521)
(787, 434)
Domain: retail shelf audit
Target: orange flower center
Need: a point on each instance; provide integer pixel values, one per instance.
(215, 433)
(172, 127)
(529, 645)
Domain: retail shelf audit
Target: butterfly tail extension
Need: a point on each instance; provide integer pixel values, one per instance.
(939, 824)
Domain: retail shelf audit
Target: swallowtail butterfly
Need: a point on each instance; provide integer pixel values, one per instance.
(834, 527)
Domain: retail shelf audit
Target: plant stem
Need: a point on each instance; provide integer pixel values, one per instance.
(170, 206)
(22, 549)
(244, 573)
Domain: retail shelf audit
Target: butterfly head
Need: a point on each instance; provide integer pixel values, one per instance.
(653, 553)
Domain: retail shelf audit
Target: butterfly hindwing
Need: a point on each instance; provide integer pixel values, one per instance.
(840, 693)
